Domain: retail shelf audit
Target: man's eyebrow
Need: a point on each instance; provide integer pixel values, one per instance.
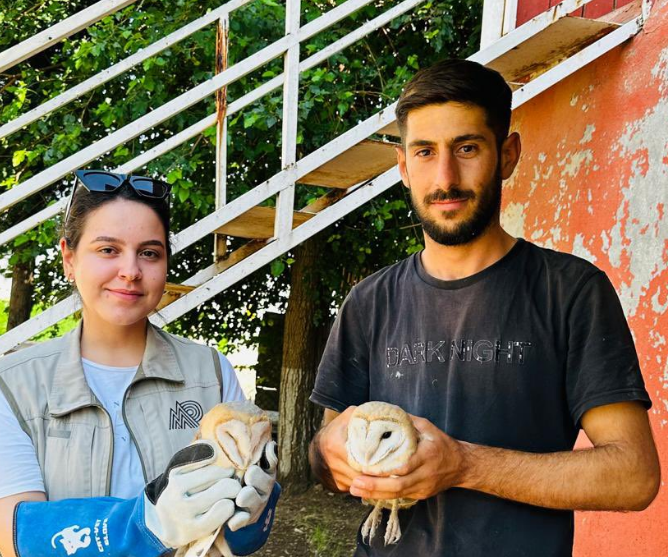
(113, 240)
(421, 143)
(469, 137)
(458, 139)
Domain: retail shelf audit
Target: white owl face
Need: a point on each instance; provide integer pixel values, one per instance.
(380, 445)
(242, 443)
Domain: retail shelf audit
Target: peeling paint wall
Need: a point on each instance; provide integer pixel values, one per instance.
(593, 180)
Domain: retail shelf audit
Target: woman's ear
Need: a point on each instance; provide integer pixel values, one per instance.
(68, 256)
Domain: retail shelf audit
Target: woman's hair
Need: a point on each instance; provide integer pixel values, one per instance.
(85, 202)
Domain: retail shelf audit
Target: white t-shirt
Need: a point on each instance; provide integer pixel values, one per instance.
(19, 468)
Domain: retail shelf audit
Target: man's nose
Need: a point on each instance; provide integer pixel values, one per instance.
(447, 171)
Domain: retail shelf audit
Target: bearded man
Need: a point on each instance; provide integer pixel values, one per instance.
(501, 350)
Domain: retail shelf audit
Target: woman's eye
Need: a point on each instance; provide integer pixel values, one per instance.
(106, 251)
(150, 254)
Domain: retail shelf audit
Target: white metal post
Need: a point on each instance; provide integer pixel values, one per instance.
(285, 202)
(492, 22)
(510, 16)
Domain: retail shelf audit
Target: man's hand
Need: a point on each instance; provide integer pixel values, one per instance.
(328, 453)
(436, 466)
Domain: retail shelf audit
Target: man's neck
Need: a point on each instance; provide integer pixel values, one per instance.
(458, 262)
(113, 346)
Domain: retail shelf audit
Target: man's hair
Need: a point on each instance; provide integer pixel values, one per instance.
(459, 81)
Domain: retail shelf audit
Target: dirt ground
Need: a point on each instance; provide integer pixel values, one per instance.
(314, 524)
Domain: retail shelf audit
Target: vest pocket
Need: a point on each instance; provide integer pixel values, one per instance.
(69, 461)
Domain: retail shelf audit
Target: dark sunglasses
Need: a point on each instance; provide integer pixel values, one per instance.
(108, 182)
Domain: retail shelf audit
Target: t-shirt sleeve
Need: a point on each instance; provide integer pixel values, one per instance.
(19, 468)
(602, 364)
(343, 374)
(231, 388)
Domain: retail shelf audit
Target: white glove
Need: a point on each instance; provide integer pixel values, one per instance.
(253, 497)
(192, 498)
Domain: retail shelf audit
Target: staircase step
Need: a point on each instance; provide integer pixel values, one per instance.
(178, 288)
(360, 163)
(258, 223)
(546, 49)
(172, 293)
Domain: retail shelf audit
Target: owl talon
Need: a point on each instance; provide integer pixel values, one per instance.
(393, 528)
(371, 524)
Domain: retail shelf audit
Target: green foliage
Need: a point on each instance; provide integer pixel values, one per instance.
(334, 96)
(4, 314)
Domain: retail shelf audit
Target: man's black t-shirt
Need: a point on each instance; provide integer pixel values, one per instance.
(510, 357)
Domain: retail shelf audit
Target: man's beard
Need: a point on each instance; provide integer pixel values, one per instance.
(489, 206)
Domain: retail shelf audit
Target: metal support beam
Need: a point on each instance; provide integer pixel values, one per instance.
(59, 31)
(286, 198)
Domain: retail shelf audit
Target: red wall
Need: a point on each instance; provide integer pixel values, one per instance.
(593, 180)
(527, 9)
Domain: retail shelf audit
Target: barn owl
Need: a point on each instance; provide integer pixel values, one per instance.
(241, 431)
(381, 438)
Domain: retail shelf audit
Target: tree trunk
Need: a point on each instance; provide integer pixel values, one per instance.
(303, 343)
(20, 299)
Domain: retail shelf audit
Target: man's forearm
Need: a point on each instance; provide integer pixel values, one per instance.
(319, 467)
(609, 477)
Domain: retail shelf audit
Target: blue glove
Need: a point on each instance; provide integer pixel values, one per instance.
(249, 539)
(192, 498)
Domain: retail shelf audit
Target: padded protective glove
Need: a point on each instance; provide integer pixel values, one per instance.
(189, 500)
(192, 498)
(259, 483)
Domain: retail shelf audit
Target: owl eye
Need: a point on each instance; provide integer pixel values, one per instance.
(386, 435)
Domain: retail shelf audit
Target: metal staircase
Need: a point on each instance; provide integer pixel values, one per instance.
(357, 165)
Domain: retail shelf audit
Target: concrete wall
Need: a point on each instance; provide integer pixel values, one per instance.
(593, 180)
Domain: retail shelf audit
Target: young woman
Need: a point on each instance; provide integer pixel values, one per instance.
(89, 418)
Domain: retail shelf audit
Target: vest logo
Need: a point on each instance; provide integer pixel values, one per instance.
(185, 415)
(73, 539)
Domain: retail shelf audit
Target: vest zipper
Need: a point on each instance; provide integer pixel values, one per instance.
(132, 435)
(107, 490)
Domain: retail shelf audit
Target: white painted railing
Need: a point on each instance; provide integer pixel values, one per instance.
(59, 31)
(207, 281)
(281, 184)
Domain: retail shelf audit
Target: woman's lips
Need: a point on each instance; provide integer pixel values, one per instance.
(130, 295)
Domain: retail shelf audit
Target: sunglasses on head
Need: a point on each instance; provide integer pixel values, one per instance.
(101, 181)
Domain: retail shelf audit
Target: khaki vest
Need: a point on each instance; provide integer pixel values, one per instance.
(177, 381)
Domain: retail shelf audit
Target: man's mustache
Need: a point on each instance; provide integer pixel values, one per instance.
(451, 194)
